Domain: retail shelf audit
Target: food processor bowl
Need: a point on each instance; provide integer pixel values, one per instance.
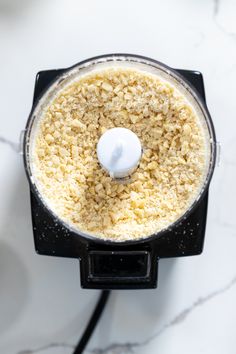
(105, 263)
(120, 60)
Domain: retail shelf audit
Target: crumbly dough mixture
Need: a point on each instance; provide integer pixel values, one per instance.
(171, 171)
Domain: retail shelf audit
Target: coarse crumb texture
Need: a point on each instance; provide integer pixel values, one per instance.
(172, 166)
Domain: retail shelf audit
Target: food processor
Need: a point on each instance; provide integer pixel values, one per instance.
(129, 264)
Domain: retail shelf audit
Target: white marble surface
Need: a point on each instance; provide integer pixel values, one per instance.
(42, 308)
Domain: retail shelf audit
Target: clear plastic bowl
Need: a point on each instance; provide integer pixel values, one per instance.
(120, 60)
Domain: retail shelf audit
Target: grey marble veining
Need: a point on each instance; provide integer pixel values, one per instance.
(42, 307)
(129, 347)
(216, 12)
(14, 146)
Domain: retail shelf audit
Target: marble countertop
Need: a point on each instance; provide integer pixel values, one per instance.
(42, 307)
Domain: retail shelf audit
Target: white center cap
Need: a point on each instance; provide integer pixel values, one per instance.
(119, 151)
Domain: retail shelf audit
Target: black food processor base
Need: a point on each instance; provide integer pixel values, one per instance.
(105, 265)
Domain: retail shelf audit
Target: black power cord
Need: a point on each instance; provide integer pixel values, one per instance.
(92, 322)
